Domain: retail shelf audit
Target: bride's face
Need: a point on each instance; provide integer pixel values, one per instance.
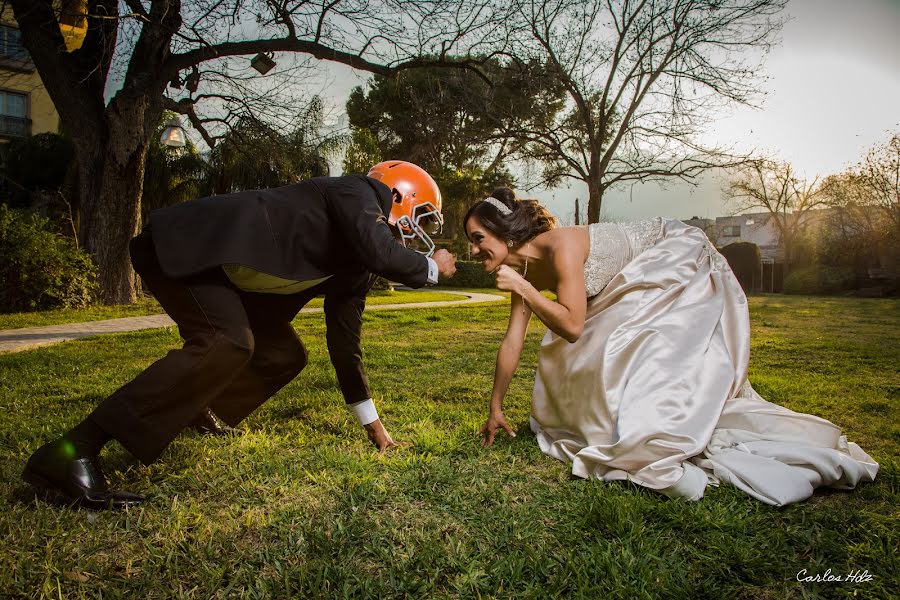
(486, 246)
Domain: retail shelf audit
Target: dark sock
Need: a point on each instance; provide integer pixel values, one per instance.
(88, 438)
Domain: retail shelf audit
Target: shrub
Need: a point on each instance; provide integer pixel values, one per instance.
(38, 269)
(744, 260)
(470, 274)
(35, 163)
(819, 279)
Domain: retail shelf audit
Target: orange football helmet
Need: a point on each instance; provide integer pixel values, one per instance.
(417, 212)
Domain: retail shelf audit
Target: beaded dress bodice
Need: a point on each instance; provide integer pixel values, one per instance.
(614, 245)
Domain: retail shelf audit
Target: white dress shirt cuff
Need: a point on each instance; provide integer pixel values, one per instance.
(365, 411)
(432, 270)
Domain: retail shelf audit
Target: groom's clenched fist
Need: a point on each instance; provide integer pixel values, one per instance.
(445, 263)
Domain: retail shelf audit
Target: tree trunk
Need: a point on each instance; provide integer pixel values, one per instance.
(451, 221)
(595, 201)
(111, 183)
(788, 258)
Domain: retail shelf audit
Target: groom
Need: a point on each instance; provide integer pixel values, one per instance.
(232, 271)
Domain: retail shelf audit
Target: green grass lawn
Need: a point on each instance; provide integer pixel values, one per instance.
(300, 506)
(149, 306)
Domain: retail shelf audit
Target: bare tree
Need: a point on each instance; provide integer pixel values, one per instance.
(774, 187)
(643, 78)
(179, 55)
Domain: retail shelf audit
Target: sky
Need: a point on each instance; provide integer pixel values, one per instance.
(832, 91)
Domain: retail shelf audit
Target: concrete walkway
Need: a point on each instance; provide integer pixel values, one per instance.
(15, 340)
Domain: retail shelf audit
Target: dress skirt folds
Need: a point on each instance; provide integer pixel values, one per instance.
(655, 390)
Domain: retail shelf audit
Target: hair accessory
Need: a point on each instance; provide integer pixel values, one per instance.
(510, 243)
(504, 209)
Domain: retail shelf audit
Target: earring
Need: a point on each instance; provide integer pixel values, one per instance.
(509, 243)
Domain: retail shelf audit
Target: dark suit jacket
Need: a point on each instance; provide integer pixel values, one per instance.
(325, 226)
(298, 232)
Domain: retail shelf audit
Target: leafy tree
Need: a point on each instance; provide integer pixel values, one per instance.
(879, 173)
(865, 203)
(460, 189)
(171, 176)
(452, 122)
(855, 231)
(181, 55)
(362, 151)
(254, 155)
(642, 80)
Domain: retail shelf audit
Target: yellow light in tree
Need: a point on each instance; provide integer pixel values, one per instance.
(73, 23)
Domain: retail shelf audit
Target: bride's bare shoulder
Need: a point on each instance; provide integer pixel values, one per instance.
(573, 239)
(562, 235)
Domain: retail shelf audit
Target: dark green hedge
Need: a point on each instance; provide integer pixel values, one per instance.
(819, 279)
(470, 274)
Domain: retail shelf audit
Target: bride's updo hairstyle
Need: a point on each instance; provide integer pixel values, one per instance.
(522, 220)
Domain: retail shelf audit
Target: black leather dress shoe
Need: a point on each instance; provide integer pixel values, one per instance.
(79, 480)
(206, 423)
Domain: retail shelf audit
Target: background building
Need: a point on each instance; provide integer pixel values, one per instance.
(25, 105)
(753, 228)
(756, 228)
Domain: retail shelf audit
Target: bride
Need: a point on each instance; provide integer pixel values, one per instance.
(642, 375)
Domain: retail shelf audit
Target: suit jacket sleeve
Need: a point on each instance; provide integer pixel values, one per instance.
(345, 299)
(355, 210)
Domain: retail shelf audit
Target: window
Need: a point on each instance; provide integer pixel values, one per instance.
(14, 114)
(731, 231)
(11, 43)
(13, 105)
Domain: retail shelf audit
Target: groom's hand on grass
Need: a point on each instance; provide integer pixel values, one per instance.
(489, 430)
(379, 436)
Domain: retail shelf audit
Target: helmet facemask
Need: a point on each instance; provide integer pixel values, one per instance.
(416, 231)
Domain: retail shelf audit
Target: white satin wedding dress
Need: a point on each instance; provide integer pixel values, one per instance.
(655, 391)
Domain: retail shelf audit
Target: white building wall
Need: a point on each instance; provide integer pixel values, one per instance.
(756, 228)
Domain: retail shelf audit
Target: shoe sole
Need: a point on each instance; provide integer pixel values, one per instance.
(36, 480)
(32, 477)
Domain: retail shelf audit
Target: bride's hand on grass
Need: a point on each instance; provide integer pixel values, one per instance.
(490, 427)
